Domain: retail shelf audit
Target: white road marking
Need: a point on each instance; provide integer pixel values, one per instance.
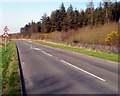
(25, 43)
(46, 53)
(37, 49)
(83, 71)
(29, 41)
(31, 47)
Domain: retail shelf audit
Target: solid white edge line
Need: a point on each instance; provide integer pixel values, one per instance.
(83, 71)
(46, 53)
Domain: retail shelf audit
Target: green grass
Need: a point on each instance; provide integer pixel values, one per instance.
(0, 71)
(11, 79)
(103, 55)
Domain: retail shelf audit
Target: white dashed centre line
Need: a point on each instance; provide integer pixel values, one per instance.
(71, 65)
(46, 53)
(29, 41)
(83, 71)
(31, 47)
(37, 49)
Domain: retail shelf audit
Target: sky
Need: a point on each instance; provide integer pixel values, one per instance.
(17, 13)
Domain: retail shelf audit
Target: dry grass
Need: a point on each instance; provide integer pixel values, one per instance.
(56, 35)
(89, 35)
(35, 36)
(92, 35)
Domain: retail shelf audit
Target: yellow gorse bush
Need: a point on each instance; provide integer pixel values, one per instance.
(112, 38)
(45, 34)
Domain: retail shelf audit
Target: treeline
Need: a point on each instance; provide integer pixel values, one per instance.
(64, 20)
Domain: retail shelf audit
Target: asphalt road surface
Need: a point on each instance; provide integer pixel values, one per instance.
(48, 70)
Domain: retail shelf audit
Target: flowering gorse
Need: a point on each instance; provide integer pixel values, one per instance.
(112, 38)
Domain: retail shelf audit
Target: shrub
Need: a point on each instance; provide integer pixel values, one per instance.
(112, 38)
(75, 41)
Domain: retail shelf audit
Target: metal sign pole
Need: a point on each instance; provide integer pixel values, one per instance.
(5, 43)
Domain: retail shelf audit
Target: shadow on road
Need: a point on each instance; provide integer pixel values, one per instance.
(48, 85)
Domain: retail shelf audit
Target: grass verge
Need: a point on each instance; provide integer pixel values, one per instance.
(0, 70)
(103, 55)
(10, 71)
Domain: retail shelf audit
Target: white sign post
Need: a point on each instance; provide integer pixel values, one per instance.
(5, 35)
(5, 43)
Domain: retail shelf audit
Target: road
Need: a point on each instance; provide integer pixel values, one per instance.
(48, 70)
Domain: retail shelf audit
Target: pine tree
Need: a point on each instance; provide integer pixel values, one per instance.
(46, 24)
(64, 20)
(39, 26)
(70, 17)
(56, 21)
(62, 17)
(76, 19)
(82, 18)
(90, 7)
(106, 9)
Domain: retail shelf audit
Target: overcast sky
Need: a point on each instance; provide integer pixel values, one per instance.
(16, 13)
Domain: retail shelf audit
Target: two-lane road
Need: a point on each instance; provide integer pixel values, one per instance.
(48, 70)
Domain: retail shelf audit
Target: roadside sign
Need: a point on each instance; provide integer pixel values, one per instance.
(5, 34)
(6, 29)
